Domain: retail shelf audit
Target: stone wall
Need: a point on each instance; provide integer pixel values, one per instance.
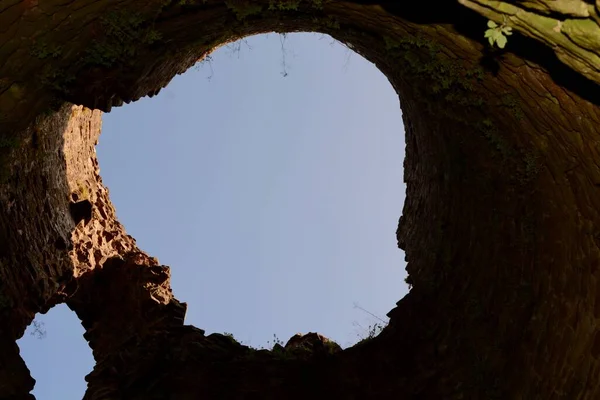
(499, 224)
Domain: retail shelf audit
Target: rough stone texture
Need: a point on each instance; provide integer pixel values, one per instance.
(53, 168)
(312, 343)
(500, 223)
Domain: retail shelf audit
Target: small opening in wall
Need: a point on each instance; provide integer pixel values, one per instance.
(81, 211)
(57, 355)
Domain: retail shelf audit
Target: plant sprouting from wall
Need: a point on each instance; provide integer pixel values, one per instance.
(496, 34)
(372, 330)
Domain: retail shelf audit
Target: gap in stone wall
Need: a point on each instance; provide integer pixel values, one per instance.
(57, 355)
(269, 178)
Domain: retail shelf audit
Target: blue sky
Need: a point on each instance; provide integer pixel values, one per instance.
(274, 199)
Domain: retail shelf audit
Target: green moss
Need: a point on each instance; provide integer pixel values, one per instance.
(8, 142)
(123, 34)
(408, 42)
(56, 80)
(284, 5)
(494, 137)
(42, 50)
(513, 104)
(243, 9)
(453, 81)
(325, 22)
(442, 76)
(230, 337)
(84, 192)
(331, 347)
(532, 167)
(529, 170)
(318, 4)
(332, 23)
(152, 36)
(280, 353)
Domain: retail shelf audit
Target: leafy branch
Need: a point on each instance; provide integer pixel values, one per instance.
(497, 33)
